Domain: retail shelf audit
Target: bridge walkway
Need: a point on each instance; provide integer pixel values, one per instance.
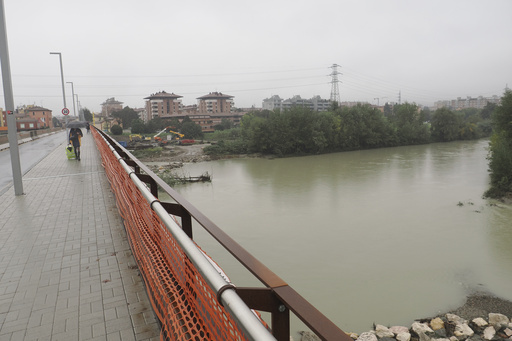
(66, 268)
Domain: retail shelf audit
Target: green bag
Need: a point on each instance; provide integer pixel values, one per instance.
(70, 152)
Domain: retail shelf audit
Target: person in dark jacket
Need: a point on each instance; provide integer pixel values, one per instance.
(75, 136)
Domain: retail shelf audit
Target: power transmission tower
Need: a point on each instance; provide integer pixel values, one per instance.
(335, 91)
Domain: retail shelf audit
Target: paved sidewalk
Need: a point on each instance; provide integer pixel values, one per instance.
(66, 269)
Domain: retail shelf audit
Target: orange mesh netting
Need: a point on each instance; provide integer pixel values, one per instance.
(184, 303)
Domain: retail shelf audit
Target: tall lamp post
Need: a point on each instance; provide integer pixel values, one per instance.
(78, 105)
(9, 105)
(63, 89)
(73, 92)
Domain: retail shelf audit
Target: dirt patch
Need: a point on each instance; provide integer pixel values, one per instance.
(480, 304)
(179, 154)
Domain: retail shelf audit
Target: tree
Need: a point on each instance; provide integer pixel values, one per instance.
(126, 115)
(500, 156)
(116, 129)
(388, 110)
(445, 125)
(410, 128)
(138, 127)
(87, 115)
(225, 124)
(487, 111)
(56, 122)
(192, 130)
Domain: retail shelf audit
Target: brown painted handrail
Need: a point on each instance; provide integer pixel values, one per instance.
(280, 295)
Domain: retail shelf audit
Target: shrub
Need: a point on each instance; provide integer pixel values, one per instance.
(116, 130)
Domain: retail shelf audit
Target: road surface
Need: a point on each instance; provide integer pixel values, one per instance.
(30, 154)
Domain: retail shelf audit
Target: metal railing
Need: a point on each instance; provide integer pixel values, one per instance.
(276, 297)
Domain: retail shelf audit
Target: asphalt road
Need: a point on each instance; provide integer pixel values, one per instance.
(30, 154)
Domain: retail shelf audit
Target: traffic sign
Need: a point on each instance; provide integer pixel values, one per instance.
(65, 111)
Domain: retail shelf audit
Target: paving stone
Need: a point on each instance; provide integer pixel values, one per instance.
(64, 256)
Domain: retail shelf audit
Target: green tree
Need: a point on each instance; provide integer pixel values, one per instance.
(126, 115)
(500, 154)
(138, 127)
(225, 124)
(445, 125)
(87, 115)
(116, 129)
(487, 111)
(425, 114)
(191, 130)
(363, 126)
(410, 128)
(388, 110)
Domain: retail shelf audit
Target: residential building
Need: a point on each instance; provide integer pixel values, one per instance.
(469, 102)
(23, 124)
(42, 115)
(272, 103)
(316, 103)
(141, 112)
(109, 106)
(210, 110)
(320, 104)
(3, 118)
(215, 103)
(163, 105)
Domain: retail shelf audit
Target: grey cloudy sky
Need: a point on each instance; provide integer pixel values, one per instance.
(128, 49)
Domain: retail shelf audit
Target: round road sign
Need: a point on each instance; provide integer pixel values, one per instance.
(65, 111)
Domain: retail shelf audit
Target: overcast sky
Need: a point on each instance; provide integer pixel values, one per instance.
(129, 49)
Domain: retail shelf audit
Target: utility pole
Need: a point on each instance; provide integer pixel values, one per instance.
(9, 105)
(400, 97)
(335, 91)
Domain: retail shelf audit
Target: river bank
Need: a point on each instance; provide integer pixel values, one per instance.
(482, 317)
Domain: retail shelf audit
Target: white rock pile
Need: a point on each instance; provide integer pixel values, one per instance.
(450, 327)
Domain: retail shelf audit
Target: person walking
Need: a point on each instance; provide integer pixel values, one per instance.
(75, 137)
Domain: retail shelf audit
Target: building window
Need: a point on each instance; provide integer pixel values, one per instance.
(22, 125)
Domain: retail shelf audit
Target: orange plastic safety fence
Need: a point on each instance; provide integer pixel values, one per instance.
(184, 303)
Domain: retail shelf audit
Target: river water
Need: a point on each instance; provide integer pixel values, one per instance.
(385, 235)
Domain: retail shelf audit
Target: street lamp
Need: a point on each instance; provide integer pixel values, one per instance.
(61, 77)
(63, 89)
(78, 105)
(73, 92)
(9, 105)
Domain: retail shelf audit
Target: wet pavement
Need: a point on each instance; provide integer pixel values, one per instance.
(66, 268)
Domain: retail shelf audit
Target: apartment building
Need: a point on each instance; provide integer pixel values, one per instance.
(209, 111)
(215, 103)
(469, 102)
(163, 104)
(316, 103)
(109, 106)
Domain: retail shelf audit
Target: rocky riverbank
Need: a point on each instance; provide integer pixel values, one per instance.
(483, 317)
